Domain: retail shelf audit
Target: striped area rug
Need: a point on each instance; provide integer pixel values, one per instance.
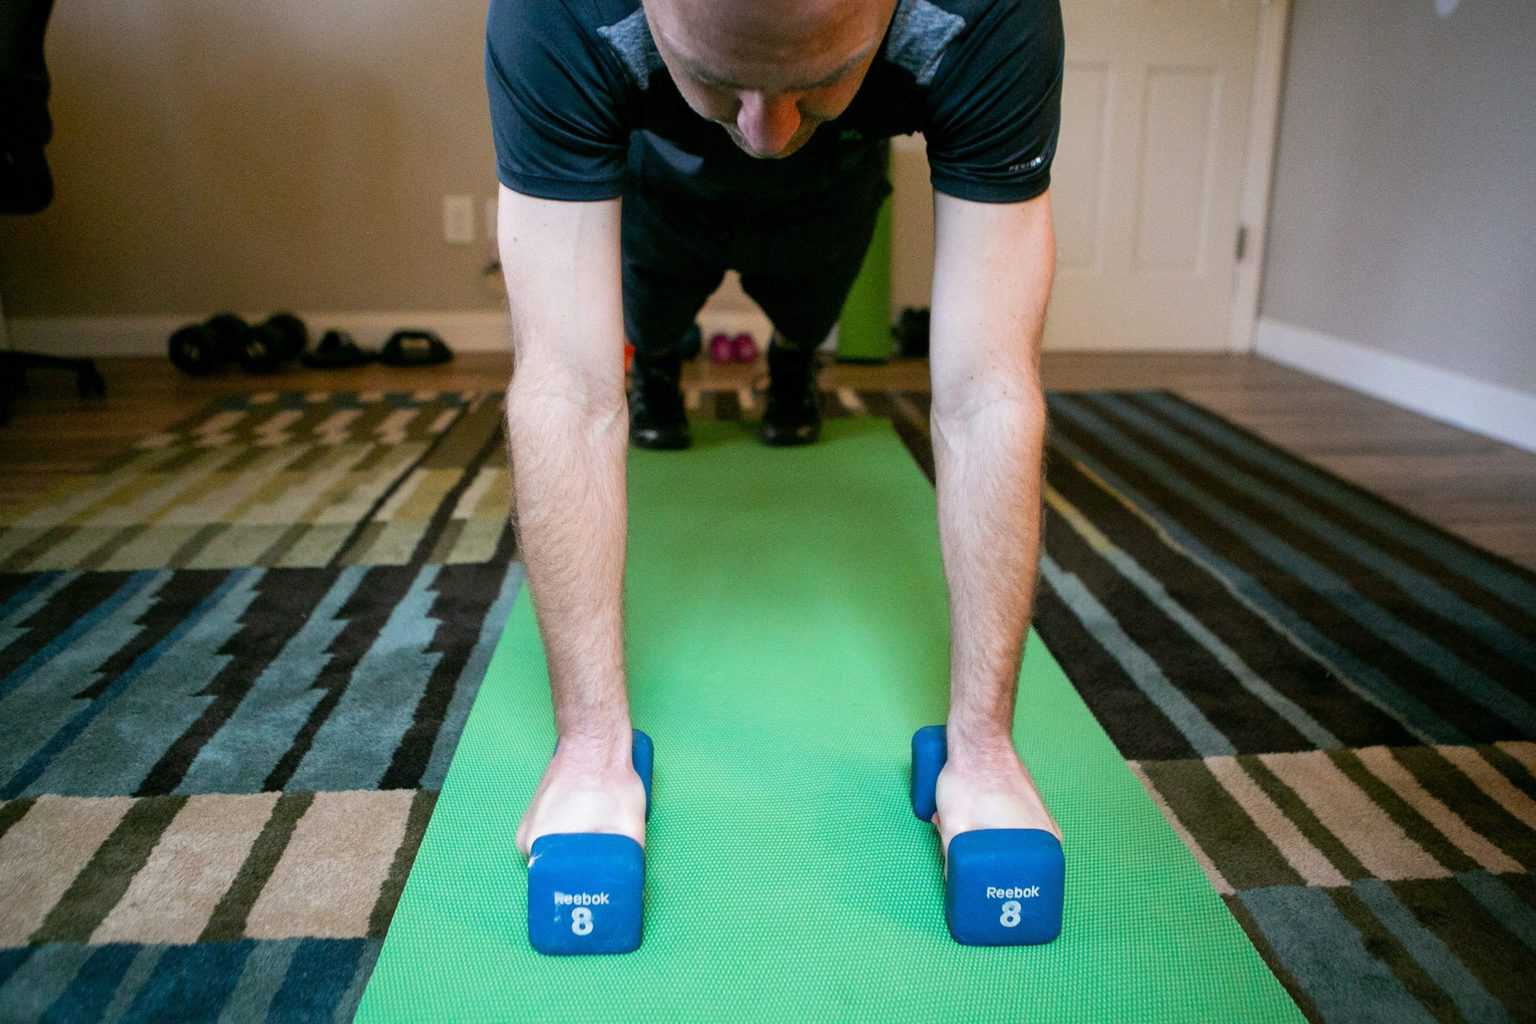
(235, 661)
(233, 667)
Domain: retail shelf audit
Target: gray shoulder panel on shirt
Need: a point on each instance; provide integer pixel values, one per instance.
(920, 31)
(631, 40)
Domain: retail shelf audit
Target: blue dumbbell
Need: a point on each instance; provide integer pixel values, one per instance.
(1005, 884)
(585, 888)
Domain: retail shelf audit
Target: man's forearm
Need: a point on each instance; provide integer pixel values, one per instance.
(568, 451)
(988, 465)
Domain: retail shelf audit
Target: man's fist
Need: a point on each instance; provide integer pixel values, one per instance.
(584, 790)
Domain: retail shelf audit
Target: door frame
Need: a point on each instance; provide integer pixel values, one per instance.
(1258, 173)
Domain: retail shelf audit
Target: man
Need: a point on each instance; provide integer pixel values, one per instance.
(643, 150)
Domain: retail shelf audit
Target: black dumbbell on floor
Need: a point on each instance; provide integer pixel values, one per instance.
(280, 338)
(201, 349)
(208, 347)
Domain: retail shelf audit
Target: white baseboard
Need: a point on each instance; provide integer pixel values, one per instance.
(146, 335)
(474, 331)
(1498, 412)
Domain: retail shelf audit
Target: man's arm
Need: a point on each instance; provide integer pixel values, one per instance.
(993, 267)
(567, 429)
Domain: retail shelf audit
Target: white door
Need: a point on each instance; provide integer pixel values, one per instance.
(1149, 172)
(1147, 179)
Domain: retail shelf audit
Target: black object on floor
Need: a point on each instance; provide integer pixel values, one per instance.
(208, 347)
(280, 338)
(13, 376)
(414, 348)
(26, 183)
(792, 415)
(337, 351)
(657, 417)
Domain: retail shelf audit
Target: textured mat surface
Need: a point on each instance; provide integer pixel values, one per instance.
(788, 636)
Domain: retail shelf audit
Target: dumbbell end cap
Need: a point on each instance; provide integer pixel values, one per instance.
(1005, 887)
(584, 893)
(643, 756)
(929, 751)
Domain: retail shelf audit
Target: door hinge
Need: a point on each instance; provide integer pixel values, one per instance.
(1242, 242)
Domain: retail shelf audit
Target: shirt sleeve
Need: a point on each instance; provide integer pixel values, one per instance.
(995, 104)
(556, 103)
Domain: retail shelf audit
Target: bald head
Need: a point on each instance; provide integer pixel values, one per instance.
(768, 71)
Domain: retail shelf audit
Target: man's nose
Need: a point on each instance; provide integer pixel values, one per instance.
(767, 122)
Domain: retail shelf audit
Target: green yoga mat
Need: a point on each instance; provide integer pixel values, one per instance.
(787, 633)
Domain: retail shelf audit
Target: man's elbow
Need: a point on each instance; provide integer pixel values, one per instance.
(1010, 400)
(545, 391)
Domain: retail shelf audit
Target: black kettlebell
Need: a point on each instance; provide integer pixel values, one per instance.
(201, 349)
(292, 331)
(280, 338)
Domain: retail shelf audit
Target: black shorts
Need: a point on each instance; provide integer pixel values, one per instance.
(797, 260)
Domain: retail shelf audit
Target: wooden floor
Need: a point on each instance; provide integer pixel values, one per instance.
(1481, 489)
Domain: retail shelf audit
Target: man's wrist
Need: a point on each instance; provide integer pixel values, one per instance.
(597, 742)
(979, 740)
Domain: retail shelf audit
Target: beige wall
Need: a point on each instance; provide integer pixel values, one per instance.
(215, 154)
(1403, 216)
(251, 155)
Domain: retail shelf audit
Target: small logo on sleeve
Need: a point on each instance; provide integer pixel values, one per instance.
(1028, 165)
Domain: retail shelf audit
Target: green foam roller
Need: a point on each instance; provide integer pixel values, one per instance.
(864, 328)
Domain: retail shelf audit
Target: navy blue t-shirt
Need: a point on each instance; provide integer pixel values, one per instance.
(571, 81)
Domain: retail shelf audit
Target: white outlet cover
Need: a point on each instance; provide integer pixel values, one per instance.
(458, 219)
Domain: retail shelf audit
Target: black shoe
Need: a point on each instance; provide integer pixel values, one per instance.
(793, 413)
(656, 416)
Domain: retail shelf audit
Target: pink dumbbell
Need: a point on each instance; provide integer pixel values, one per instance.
(722, 348)
(744, 348)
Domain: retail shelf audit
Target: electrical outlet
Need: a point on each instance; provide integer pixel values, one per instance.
(459, 220)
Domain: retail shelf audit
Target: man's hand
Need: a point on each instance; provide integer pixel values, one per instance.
(987, 786)
(585, 789)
